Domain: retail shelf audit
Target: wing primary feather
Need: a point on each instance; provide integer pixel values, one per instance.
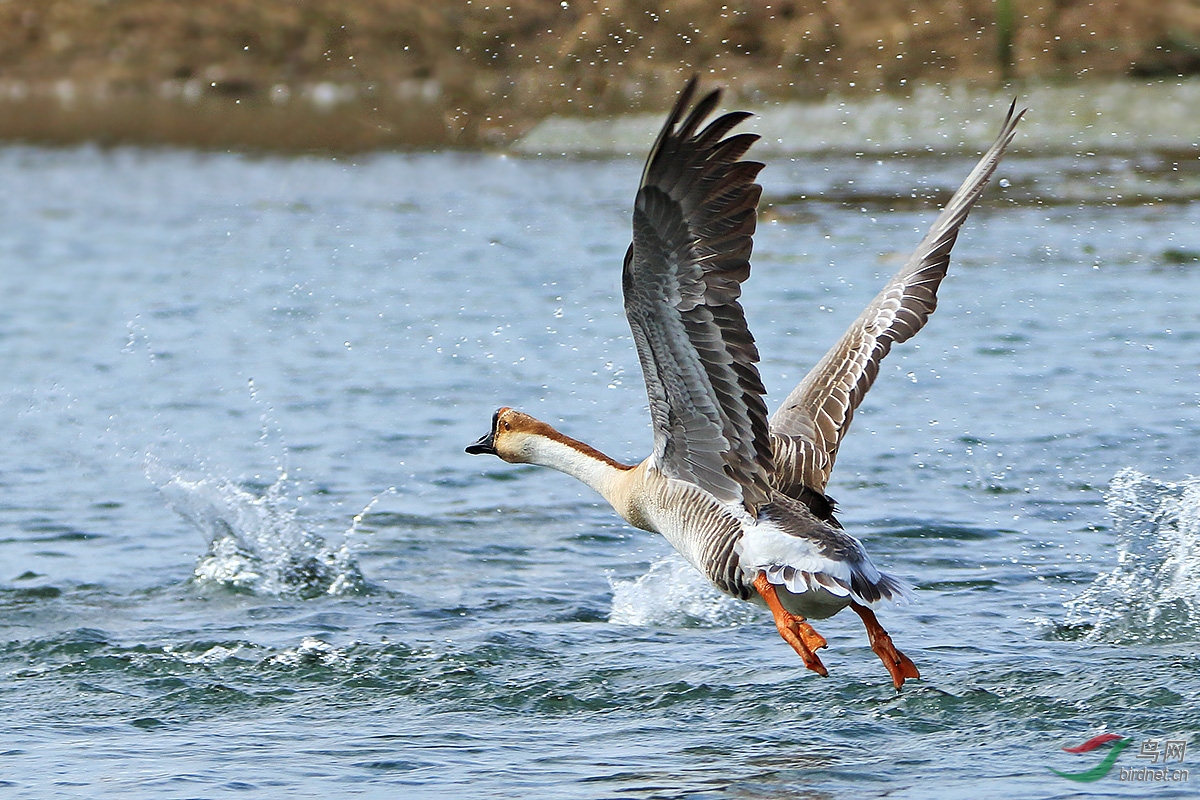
(808, 428)
(693, 224)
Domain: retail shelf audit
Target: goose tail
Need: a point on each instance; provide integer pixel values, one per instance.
(880, 587)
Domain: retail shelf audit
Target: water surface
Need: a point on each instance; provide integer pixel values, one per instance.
(241, 549)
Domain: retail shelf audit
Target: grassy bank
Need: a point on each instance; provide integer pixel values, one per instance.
(357, 74)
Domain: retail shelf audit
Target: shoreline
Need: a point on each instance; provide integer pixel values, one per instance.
(1085, 117)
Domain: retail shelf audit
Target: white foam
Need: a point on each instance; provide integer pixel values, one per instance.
(674, 594)
(309, 651)
(1153, 594)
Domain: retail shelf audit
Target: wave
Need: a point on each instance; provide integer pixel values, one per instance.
(1153, 594)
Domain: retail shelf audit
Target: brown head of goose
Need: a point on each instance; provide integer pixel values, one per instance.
(742, 497)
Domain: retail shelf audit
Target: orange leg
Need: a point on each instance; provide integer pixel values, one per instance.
(899, 665)
(794, 629)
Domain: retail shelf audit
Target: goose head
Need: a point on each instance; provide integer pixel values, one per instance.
(514, 437)
(519, 438)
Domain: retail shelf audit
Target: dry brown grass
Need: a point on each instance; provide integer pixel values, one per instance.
(426, 71)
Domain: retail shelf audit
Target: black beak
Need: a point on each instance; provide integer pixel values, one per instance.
(485, 446)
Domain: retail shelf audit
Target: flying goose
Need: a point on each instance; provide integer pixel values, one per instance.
(741, 498)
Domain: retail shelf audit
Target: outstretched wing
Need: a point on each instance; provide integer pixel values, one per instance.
(693, 224)
(809, 426)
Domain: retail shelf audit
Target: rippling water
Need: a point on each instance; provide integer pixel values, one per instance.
(241, 548)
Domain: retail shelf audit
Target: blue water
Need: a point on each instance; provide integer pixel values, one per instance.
(242, 550)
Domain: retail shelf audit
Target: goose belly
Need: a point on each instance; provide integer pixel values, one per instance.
(727, 550)
(811, 603)
(812, 571)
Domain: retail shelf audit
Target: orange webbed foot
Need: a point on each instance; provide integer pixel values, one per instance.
(897, 664)
(794, 629)
(808, 634)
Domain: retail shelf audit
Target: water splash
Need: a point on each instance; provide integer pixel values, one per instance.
(1153, 594)
(310, 652)
(257, 543)
(674, 594)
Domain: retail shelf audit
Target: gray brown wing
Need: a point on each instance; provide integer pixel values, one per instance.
(693, 224)
(808, 428)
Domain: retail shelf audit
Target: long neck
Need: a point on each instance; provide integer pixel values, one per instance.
(581, 461)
